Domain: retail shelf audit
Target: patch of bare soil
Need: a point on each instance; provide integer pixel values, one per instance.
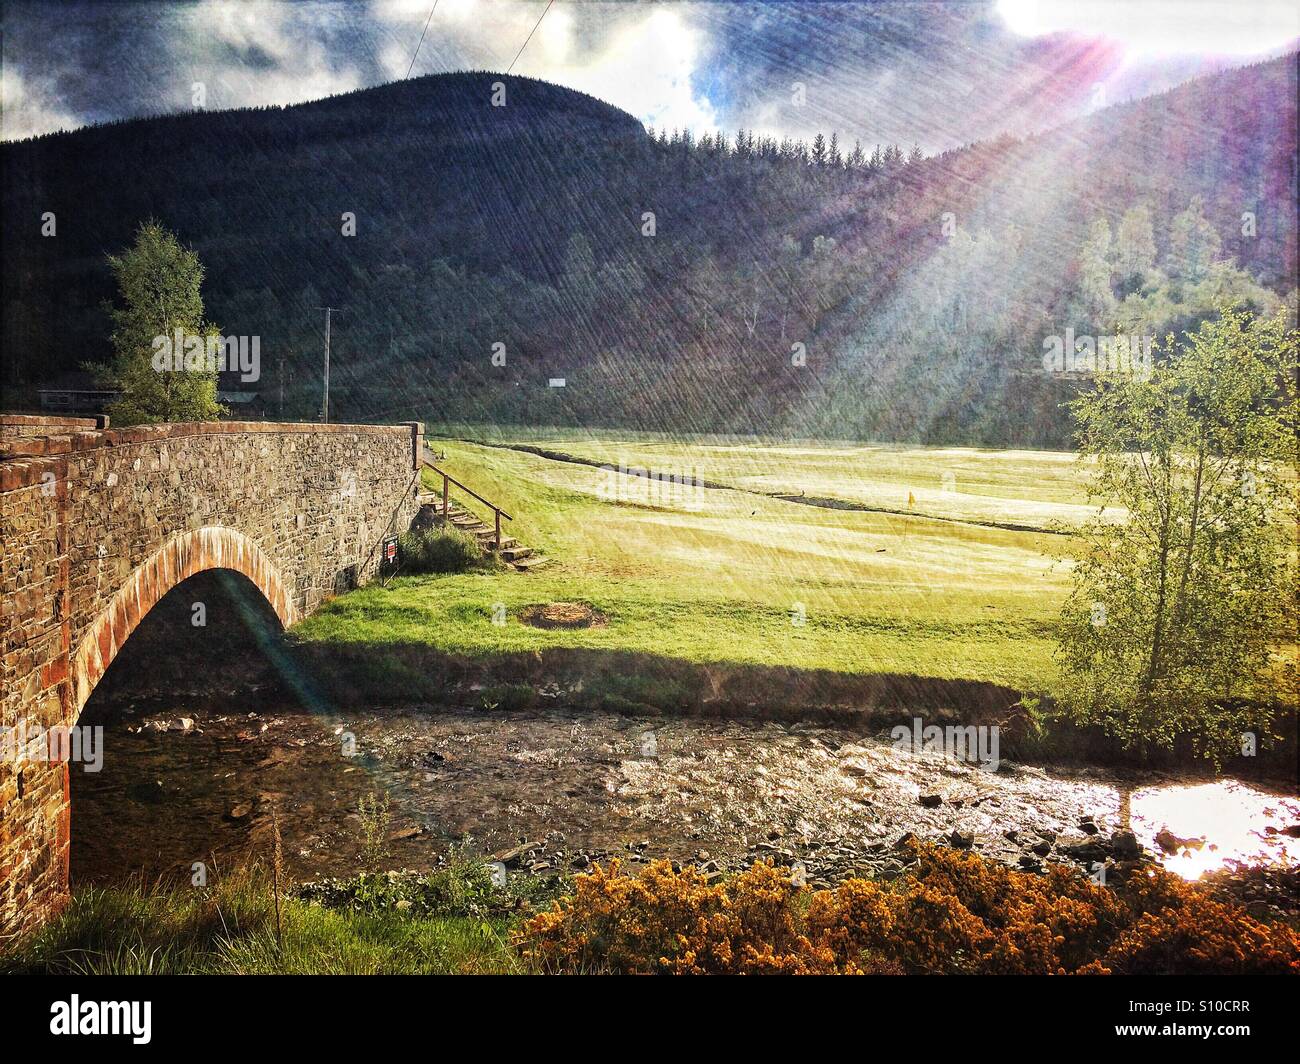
(562, 615)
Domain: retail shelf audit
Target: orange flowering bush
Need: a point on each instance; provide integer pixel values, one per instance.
(1015, 922)
(1176, 928)
(666, 921)
(953, 913)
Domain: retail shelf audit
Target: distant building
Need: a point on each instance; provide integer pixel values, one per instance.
(243, 406)
(76, 392)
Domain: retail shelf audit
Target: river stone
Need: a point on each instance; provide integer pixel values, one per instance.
(1086, 849)
(1124, 845)
(514, 858)
(1171, 843)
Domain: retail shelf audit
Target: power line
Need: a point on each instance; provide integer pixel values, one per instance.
(529, 37)
(422, 33)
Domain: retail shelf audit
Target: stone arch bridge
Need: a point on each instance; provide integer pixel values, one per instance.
(98, 524)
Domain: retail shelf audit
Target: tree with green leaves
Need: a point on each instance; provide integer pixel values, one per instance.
(159, 283)
(1194, 243)
(1095, 274)
(1178, 623)
(1135, 246)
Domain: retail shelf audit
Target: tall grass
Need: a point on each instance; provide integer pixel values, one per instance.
(230, 928)
(437, 550)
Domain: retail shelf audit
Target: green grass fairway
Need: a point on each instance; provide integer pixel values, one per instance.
(1034, 489)
(722, 575)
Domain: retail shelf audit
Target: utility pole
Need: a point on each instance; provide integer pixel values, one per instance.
(325, 403)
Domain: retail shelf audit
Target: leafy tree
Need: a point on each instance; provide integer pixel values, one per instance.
(1095, 272)
(159, 282)
(823, 276)
(1135, 246)
(1180, 605)
(1194, 243)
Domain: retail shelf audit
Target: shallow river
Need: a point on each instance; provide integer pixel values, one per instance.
(586, 785)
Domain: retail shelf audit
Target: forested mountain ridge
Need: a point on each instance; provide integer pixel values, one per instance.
(727, 283)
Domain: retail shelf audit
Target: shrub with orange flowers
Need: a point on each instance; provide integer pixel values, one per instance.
(1176, 928)
(678, 922)
(954, 912)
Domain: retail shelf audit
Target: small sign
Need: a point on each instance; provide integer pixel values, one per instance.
(390, 548)
(557, 382)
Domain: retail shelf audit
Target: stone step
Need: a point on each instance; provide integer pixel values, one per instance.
(428, 499)
(465, 520)
(433, 511)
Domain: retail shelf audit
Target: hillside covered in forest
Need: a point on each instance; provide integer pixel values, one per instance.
(728, 282)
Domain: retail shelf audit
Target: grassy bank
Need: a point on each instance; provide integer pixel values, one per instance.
(230, 928)
(727, 576)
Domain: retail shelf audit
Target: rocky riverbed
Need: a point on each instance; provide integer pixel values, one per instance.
(552, 791)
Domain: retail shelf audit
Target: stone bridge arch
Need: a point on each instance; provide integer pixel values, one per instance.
(181, 557)
(98, 524)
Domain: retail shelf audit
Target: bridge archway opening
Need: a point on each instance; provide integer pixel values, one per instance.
(205, 647)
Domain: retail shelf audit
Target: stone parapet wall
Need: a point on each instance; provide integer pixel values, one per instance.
(17, 426)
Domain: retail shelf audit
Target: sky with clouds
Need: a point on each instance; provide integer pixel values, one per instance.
(938, 74)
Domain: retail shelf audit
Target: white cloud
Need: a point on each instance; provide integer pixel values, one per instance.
(418, 10)
(291, 66)
(640, 59)
(244, 26)
(645, 66)
(1223, 27)
(28, 109)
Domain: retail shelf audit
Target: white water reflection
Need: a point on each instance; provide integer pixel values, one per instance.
(1230, 816)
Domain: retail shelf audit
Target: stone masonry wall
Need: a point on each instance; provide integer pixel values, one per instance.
(24, 425)
(96, 526)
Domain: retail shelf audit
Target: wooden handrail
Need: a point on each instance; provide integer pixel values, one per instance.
(469, 491)
(447, 479)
